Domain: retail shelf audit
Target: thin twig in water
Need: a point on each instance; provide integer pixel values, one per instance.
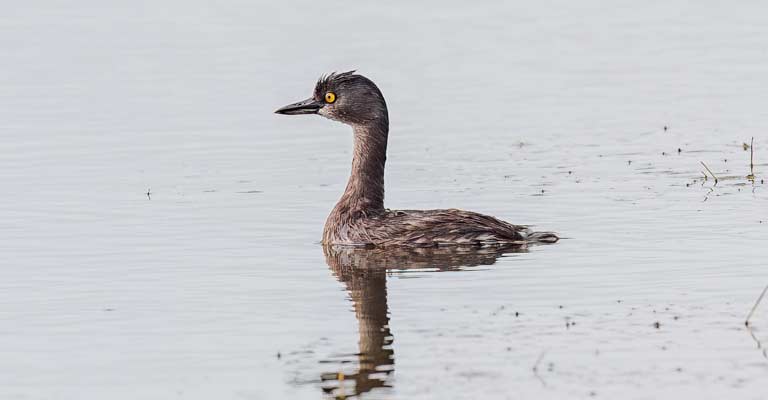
(709, 170)
(746, 322)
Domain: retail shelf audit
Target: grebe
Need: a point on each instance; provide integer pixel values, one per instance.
(359, 218)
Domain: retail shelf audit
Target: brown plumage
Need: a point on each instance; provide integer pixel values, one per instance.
(359, 218)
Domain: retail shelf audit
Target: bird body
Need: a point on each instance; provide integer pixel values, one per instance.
(359, 218)
(420, 228)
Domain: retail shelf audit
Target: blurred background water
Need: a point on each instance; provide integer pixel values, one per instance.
(159, 226)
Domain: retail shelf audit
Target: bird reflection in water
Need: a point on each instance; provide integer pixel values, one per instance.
(364, 273)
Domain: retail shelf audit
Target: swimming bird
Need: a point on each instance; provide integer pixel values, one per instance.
(359, 217)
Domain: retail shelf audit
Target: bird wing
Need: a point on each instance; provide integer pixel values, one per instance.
(440, 227)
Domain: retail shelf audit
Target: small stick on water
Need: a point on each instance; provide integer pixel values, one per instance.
(709, 170)
(746, 322)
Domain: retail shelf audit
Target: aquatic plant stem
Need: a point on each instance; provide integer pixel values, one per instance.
(752, 159)
(746, 322)
(709, 170)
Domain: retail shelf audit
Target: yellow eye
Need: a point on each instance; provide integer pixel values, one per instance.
(330, 97)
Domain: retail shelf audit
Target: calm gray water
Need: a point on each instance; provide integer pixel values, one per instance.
(215, 285)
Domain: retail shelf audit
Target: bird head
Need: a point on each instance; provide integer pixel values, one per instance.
(345, 97)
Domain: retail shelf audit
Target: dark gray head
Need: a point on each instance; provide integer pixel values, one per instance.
(346, 97)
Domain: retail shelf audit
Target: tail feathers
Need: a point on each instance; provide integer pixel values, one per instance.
(542, 237)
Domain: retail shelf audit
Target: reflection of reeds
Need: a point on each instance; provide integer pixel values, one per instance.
(710, 171)
(536, 367)
(757, 341)
(757, 303)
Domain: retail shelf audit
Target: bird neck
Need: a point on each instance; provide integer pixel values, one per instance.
(365, 188)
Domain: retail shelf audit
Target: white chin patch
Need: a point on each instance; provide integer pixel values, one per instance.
(325, 113)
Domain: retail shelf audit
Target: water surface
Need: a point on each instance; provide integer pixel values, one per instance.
(160, 226)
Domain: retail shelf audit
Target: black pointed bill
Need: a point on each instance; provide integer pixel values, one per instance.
(308, 106)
